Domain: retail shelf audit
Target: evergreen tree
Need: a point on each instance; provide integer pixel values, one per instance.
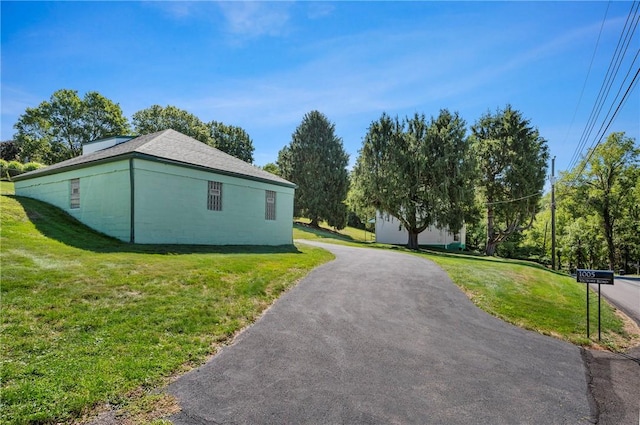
(316, 161)
(419, 172)
(512, 161)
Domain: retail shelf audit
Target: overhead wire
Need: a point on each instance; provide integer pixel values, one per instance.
(576, 153)
(614, 65)
(620, 104)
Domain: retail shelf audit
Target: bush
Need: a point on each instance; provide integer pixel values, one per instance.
(15, 165)
(30, 166)
(3, 169)
(14, 168)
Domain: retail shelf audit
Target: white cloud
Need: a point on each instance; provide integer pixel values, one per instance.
(317, 10)
(255, 19)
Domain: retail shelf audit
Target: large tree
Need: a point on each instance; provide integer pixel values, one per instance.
(55, 130)
(606, 182)
(316, 161)
(156, 118)
(420, 172)
(512, 162)
(232, 140)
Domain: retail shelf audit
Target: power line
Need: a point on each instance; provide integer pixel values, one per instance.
(575, 112)
(592, 150)
(514, 200)
(614, 65)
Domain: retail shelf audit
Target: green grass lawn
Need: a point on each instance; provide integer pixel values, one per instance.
(519, 292)
(348, 234)
(88, 320)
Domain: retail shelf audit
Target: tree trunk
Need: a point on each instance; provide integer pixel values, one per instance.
(608, 233)
(491, 247)
(413, 240)
(491, 242)
(626, 259)
(315, 222)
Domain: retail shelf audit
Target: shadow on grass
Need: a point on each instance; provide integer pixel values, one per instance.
(324, 233)
(56, 224)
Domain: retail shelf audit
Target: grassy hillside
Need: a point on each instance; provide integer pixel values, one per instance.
(522, 293)
(301, 230)
(88, 320)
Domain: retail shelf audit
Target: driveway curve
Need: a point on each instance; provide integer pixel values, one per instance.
(382, 337)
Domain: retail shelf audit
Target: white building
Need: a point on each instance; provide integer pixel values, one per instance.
(390, 230)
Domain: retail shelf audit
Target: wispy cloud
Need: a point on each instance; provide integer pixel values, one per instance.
(255, 19)
(317, 10)
(175, 9)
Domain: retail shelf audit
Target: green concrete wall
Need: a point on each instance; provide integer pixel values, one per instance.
(170, 204)
(104, 196)
(171, 207)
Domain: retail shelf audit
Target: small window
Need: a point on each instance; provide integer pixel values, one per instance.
(75, 193)
(456, 237)
(214, 198)
(270, 205)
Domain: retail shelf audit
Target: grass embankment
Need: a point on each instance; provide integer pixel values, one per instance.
(88, 320)
(302, 230)
(522, 293)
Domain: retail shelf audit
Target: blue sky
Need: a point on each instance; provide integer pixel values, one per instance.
(263, 65)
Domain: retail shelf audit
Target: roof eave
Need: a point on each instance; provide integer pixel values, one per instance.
(128, 155)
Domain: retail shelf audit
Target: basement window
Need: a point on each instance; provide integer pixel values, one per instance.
(270, 205)
(74, 193)
(214, 198)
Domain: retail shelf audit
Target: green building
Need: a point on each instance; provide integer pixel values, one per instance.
(167, 188)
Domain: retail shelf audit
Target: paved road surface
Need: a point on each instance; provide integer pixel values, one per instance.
(624, 293)
(380, 337)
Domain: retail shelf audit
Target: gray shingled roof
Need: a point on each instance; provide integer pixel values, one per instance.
(170, 146)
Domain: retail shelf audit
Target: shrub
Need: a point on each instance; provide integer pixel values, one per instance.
(14, 168)
(30, 166)
(15, 165)
(3, 169)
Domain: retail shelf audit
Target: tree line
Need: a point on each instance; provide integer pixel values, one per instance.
(424, 171)
(597, 212)
(55, 130)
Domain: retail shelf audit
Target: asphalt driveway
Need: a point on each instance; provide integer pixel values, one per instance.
(381, 337)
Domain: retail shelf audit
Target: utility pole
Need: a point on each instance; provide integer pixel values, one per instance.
(553, 214)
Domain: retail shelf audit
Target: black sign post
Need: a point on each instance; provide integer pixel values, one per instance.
(599, 277)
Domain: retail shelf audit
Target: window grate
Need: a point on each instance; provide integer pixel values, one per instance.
(270, 205)
(74, 198)
(214, 198)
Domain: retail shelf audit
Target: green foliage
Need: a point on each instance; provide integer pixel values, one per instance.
(156, 118)
(4, 169)
(9, 150)
(422, 173)
(512, 161)
(55, 130)
(15, 165)
(87, 319)
(232, 140)
(605, 183)
(13, 168)
(31, 166)
(316, 161)
(272, 168)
